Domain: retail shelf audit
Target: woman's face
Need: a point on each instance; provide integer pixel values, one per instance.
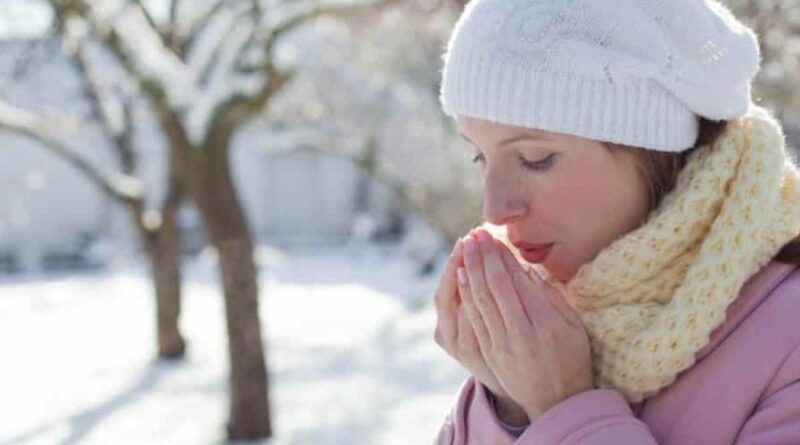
(548, 187)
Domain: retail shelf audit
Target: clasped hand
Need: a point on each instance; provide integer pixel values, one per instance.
(510, 328)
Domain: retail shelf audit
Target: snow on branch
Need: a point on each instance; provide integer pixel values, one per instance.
(192, 89)
(222, 81)
(208, 44)
(122, 187)
(144, 48)
(110, 110)
(214, 79)
(114, 112)
(266, 34)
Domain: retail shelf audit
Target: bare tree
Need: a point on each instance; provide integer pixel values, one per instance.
(203, 79)
(157, 229)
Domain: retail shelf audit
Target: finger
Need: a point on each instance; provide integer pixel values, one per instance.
(557, 299)
(551, 293)
(527, 293)
(480, 329)
(537, 307)
(499, 282)
(509, 260)
(468, 347)
(447, 284)
(482, 297)
(446, 297)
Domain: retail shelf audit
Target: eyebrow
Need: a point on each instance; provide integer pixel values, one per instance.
(513, 139)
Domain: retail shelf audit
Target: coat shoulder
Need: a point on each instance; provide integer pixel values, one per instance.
(779, 310)
(778, 316)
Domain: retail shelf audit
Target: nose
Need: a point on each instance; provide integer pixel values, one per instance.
(503, 199)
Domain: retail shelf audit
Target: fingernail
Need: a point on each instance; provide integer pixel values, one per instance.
(484, 237)
(469, 245)
(462, 275)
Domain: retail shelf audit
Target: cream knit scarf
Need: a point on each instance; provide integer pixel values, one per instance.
(651, 298)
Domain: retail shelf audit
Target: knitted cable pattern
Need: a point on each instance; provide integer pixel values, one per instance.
(650, 299)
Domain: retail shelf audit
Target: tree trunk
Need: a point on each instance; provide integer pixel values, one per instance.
(227, 228)
(165, 263)
(162, 248)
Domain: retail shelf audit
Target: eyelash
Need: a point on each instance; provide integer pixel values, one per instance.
(544, 164)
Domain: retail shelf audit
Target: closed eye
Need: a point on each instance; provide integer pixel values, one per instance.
(540, 165)
(543, 164)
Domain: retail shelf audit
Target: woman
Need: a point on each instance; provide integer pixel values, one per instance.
(635, 281)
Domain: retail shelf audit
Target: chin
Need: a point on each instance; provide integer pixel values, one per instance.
(558, 269)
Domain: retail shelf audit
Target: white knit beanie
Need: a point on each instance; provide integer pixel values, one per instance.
(633, 72)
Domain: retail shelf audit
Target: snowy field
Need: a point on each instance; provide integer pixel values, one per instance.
(350, 352)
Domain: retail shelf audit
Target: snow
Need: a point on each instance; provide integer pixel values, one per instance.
(24, 18)
(350, 352)
(150, 56)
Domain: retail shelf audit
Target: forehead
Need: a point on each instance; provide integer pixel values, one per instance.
(481, 131)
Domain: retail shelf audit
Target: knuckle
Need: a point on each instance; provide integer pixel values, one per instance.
(481, 297)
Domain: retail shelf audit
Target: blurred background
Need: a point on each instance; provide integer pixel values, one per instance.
(223, 221)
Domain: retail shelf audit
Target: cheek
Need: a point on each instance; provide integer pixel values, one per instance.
(570, 198)
(589, 205)
(607, 202)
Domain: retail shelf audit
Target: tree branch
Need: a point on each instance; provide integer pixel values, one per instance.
(242, 107)
(115, 113)
(124, 188)
(148, 82)
(199, 26)
(146, 14)
(167, 33)
(213, 50)
(145, 73)
(170, 36)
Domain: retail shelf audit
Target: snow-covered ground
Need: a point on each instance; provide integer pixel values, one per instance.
(350, 353)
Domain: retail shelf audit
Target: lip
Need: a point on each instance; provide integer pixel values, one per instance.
(534, 253)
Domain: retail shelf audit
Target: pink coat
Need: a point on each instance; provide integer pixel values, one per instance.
(744, 388)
